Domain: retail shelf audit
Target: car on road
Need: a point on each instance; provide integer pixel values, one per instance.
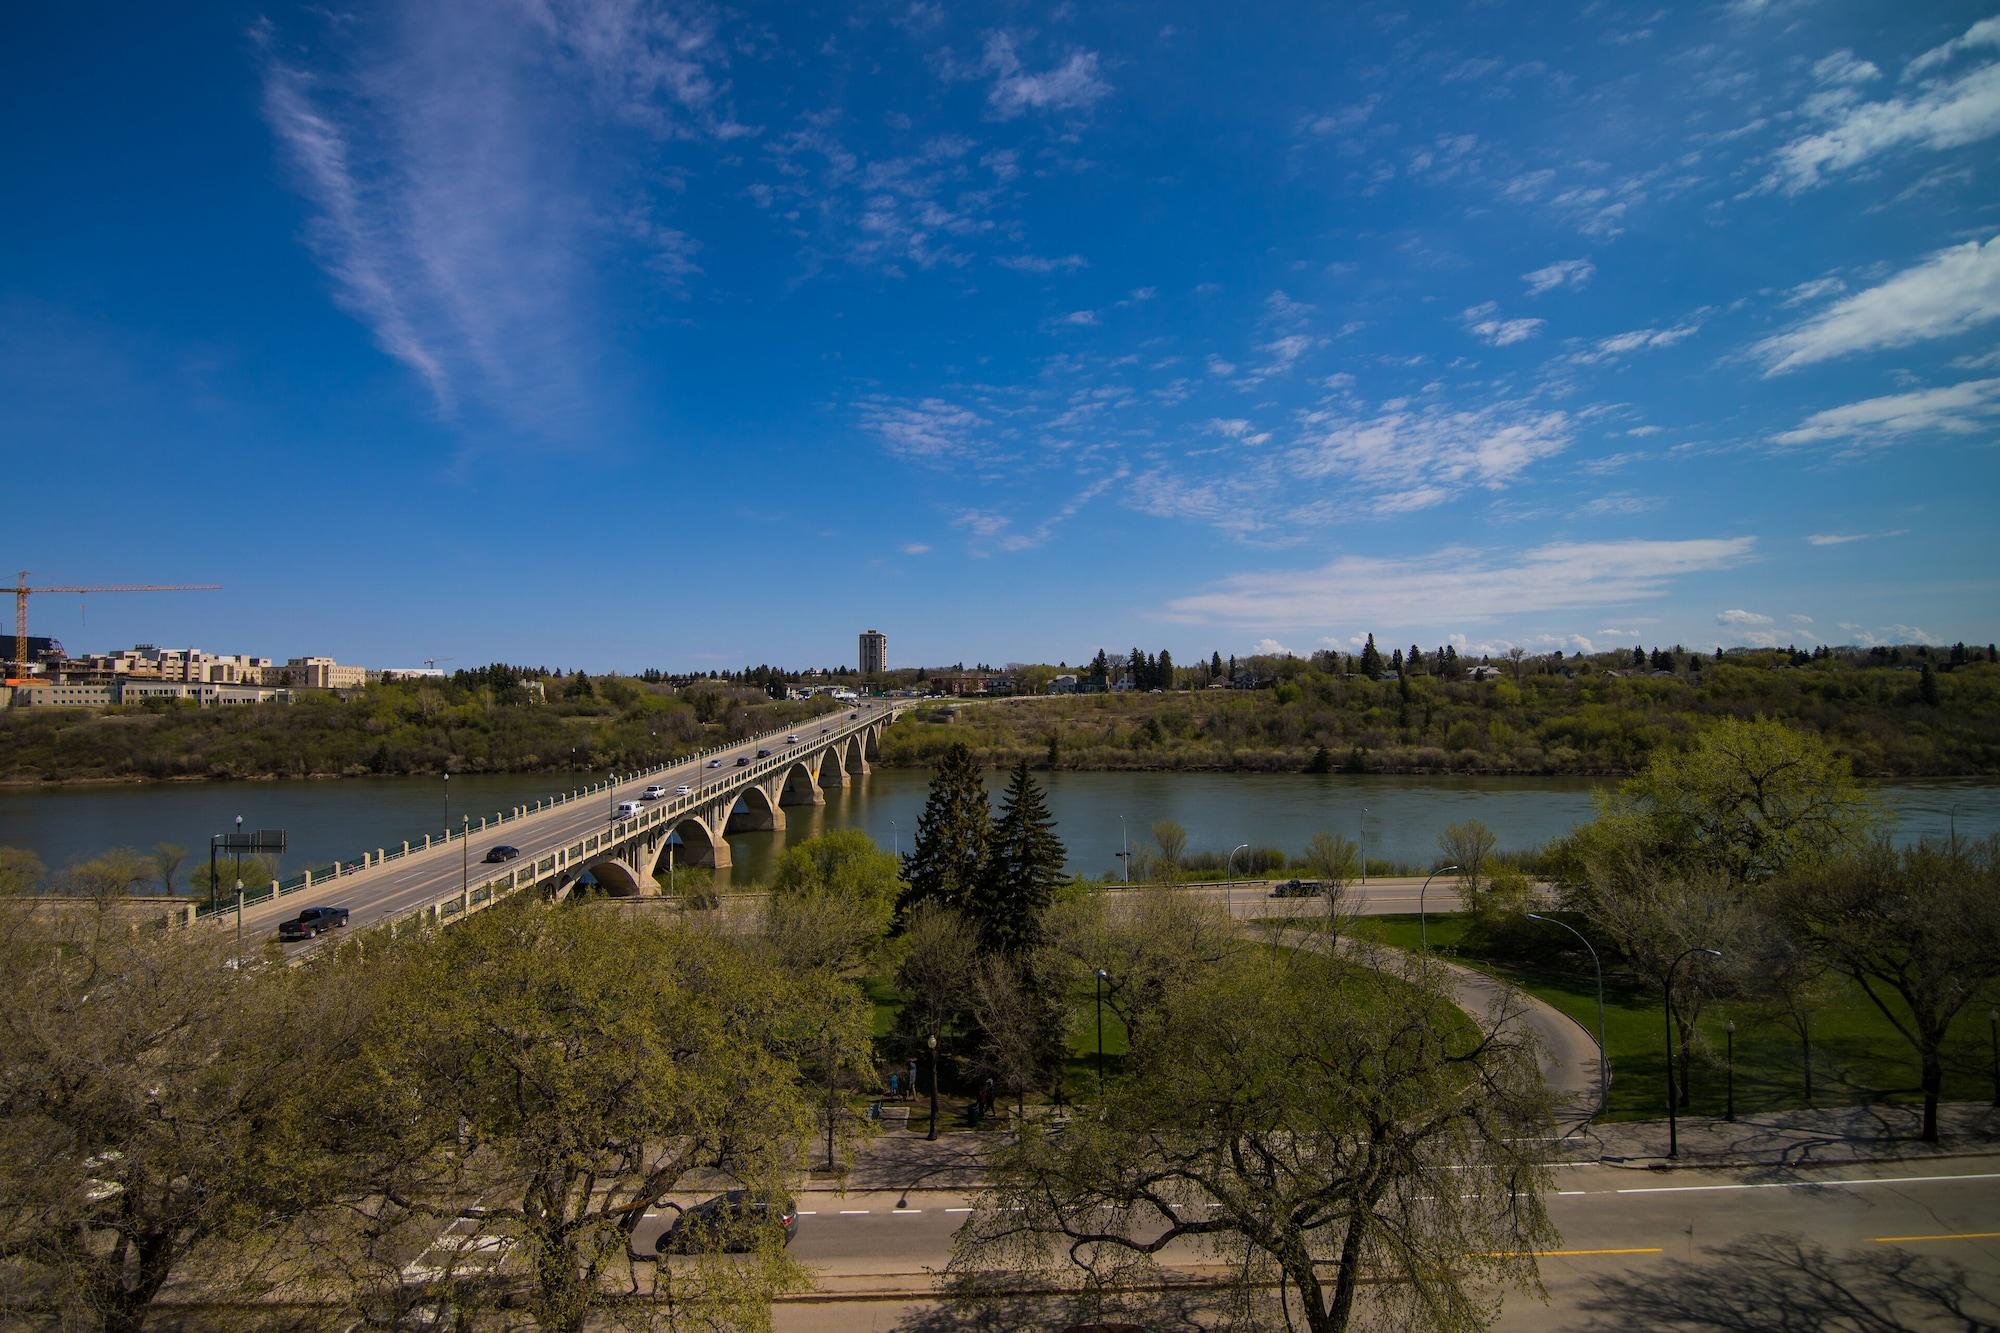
(715, 763)
(653, 792)
(763, 754)
(309, 923)
(852, 716)
(684, 790)
(737, 1220)
(742, 761)
(628, 809)
(1298, 888)
(495, 855)
(791, 740)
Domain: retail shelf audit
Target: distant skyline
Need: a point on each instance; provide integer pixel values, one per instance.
(620, 335)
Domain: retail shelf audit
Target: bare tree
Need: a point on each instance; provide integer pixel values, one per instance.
(1336, 863)
(1172, 840)
(1469, 846)
(167, 861)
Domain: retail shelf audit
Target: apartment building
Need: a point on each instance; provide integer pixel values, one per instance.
(874, 652)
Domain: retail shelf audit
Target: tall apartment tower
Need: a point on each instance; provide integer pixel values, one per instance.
(874, 652)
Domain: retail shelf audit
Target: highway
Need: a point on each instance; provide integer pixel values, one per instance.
(1639, 1250)
(406, 883)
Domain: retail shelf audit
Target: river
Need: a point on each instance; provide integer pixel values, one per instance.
(1398, 818)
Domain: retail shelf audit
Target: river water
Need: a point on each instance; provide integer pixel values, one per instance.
(1397, 818)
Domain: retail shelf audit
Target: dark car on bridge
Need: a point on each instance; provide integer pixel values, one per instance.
(502, 853)
(742, 761)
(763, 754)
(309, 923)
(738, 1220)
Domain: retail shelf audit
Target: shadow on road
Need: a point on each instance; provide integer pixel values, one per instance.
(1785, 1284)
(1164, 1312)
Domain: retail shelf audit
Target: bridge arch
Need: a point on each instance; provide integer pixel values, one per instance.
(699, 846)
(870, 740)
(612, 874)
(753, 809)
(830, 765)
(798, 787)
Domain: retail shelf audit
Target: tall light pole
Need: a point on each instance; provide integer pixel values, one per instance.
(1729, 1031)
(447, 803)
(1423, 921)
(1124, 850)
(1667, 990)
(1364, 846)
(931, 1041)
(465, 864)
(1099, 979)
(1603, 1057)
(239, 850)
(895, 840)
(611, 789)
(1229, 880)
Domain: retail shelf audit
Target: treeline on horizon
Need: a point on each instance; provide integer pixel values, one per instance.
(484, 721)
(1894, 713)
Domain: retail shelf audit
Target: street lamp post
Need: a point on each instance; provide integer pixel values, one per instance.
(465, 866)
(213, 838)
(1667, 991)
(931, 1041)
(895, 840)
(239, 849)
(1099, 979)
(1423, 920)
(1124, 850)
(1364, 846)
(1993, 1028)
(611, 789)
(1603, 1056)
(1729, 1037)
(447, 802)
(1229, 881)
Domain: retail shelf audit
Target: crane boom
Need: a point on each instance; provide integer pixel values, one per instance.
(22, 592)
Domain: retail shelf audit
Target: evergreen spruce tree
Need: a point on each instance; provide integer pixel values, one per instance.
(1927, 686)
(1163, 671)
(1214, 665)
(1024, 864)
(1371, 660)
(1396, 662)
(949, 856)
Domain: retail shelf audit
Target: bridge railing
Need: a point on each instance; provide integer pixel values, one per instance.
(674, 808)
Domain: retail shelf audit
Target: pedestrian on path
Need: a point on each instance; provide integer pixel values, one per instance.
(911, 1090)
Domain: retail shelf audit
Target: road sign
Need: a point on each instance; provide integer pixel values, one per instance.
(263, 840)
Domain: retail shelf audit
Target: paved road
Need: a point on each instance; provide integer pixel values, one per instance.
(1639, 1250)
(398, 886)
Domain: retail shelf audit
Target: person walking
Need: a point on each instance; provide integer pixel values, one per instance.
(910, 1089)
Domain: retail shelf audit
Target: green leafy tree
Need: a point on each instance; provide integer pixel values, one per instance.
(1310, 1123)
(1927, 686)
(21, 871)
(1024, 865)
(832, 900)
(948, 858)
(1917, 929)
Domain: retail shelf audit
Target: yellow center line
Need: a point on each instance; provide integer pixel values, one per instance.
(1565, 1253)
(1955, 1235)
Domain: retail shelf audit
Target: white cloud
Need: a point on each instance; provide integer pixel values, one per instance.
(916, 548)
(1842, 68)
(1958, 409)
(1986, 33)
(930, 430)
(1633, 340)
(1452, 588)
(1807, 292)
(1620, 502)
(1270, 648)
(1406, 452)
(1955, 290)
(1842, 538)
(1073, 85)
(1562, 273)
(1741, 618)
(1038, 264)
(1483, 322)
(1641, 432)
(1340, 120)
(1080, 317)
(1941, 116)
(1798, 619)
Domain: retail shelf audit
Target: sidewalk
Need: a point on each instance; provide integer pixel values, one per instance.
(1796, 1138)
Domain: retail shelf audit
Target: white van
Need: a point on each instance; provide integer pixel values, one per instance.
(627, 809)
(653, 793)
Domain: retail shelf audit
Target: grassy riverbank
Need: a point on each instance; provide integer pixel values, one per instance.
(1545, 724)
(392, 729)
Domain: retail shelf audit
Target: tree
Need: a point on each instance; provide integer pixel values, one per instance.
(1469, 846)
(1024, 865)
(1172, 840)
(1371, 660)
(1918, 930)
(1214, 665)
(1163, 671)
(1927, 686)
(20, 871)
(1296, 1120)
(167, 861)
(949, 853)
(1020, 1007)
(1145, 942)
(569, 1069)
(1746, 799)
(831, 901)
(1335, 862)
(139, 1115)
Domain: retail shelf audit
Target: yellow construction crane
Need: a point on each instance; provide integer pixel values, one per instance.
(22, 592)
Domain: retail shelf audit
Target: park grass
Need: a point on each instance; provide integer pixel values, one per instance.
(1858, 1056)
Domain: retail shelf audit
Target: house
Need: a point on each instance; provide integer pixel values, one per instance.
(1064, 684)
(1483, 673)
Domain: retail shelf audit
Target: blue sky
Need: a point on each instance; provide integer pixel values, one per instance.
(613, 334)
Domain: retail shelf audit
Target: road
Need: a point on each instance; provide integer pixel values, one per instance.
(1639, 1249)
(406, 883)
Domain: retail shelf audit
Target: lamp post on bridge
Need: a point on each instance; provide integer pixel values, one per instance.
(1125, 851)
(447, 802)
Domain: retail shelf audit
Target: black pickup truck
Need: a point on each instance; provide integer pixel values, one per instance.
(311, 922)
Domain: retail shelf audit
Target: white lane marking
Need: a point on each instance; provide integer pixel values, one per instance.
(958, 1210)
(1801, 1184)
(1563, 1194)
(803, 1212)
(854, 1212)
(905, 1212)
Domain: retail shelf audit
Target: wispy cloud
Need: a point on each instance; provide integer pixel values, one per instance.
(929, 430)
(1843, 538)
(1955, 290)
(1457, 587)
(1957, 409)
(1941, 115)
(438, 151)
(1039, 264)
(1484, 322)
(1074, 85)
(916, 548)
(1562, 273)
(1984, 34)
(1741, 618)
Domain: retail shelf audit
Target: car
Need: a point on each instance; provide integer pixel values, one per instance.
(731, 1221)
(495, 855)
(763, 754)
(628, 809)
(653, 792)
(715, 763)
(309, 923)
(1298, 888)
(824, 730)
(684, 790)
(742, 760)
(852, 716)
(791, 740)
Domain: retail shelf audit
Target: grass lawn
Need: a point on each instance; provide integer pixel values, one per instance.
(1857, 1055)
